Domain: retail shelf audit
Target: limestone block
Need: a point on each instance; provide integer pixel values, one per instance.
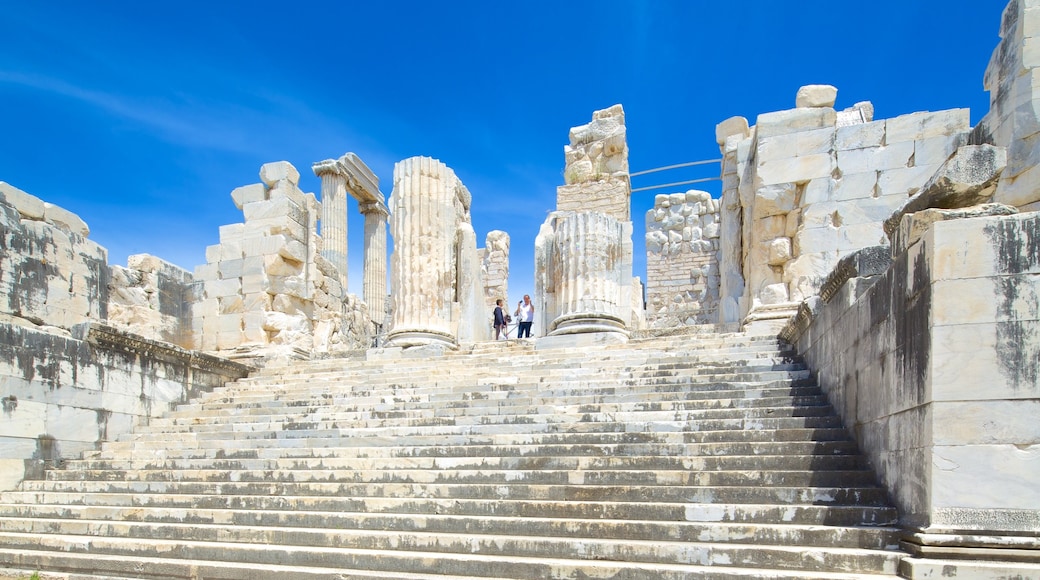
(987, 300)
(293, 251)
(28, 205)
(773, 200)
(231, 305)
(272, 173)
(1024, 154)
(963, 477)
(213, 254)
(248, 194)
(774, 226)
(254, 283)
(779, 251)
(230, 250)
(793, 121)
(923, 125)
(892, 156)
(230, 269)
(936, 150)
(969, 178)
(795, 169)
(290, 285)
(965, 356)
(816, 96)
(222, 288)
(799, 144)
(732, 127)
(1020, 191)
(865, 136)
(904, 182)
(274, 208)
(228, 340)
(773, 294)
(65, 219)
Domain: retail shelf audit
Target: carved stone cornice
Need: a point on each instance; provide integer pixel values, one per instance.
(111, 338)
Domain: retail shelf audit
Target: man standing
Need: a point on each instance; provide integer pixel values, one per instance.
(525, 315)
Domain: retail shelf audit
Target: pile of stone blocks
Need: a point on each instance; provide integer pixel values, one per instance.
(152, 298)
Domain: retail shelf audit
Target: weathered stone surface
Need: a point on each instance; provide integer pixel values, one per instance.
(28, 206)
(793, 120)
(272, 173)
(816, 96)
(968, 178)
(732, 127)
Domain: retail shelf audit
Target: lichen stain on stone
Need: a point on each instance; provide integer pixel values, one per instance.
(1016, 244)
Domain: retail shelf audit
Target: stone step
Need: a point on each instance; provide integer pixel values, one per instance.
(575, 491)
(483, 475)
(222, 497)
(524, 557)
(515, 399)
(346, 423)
(868, 537)
(427, 470)
(125, 567)
(353, 397)
(337, 415)
(704, 466)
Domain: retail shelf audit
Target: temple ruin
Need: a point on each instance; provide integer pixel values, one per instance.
(889, 268)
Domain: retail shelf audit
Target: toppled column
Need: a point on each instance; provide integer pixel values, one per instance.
(428, 205)
(333, 216)
(586, 255)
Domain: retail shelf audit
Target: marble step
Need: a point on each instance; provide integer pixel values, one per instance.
(223, 497)
(361, 396)
(868, 537)
(123, 567)
(525, 557)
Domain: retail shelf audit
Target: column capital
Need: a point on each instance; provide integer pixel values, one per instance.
(326, 168)
(376, 207)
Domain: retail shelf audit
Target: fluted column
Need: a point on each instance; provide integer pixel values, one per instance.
(587, 259)
(422, 268)
(333, 216)
(374, 279)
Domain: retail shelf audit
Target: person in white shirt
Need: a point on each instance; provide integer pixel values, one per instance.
(525, 316)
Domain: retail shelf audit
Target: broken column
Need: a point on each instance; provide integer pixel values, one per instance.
(428, 205)
(583, 254)
(586, 257)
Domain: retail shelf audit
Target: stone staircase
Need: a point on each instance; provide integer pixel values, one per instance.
(702, 456)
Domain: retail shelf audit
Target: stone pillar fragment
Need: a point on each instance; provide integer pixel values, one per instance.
(422, 267)
(374, 277)
(587, 259)
(333, 216)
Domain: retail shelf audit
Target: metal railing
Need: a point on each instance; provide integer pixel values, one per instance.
(675, 183)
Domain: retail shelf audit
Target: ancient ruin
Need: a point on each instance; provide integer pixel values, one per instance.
(835, 372)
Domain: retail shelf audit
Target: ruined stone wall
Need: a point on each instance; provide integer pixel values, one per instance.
(1013, 120)
(266, 291)
(934, 363)
(68, 381)
(152, 298)
(682, 248)
(811, 184)
(65, 392)
(494, 268)
(596, 167)
(50, 273)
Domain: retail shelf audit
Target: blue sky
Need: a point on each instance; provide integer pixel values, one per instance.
(141, 117)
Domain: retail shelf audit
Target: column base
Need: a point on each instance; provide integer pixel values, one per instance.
(416, 337)
(587, 322)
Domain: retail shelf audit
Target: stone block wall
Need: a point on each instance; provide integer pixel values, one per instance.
(50, 273)
(152, 298)
(64, 393)
(935, 366)
(682, 249)
(494, 269)
(265, 289)
(1013, 120)
(811, 184)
